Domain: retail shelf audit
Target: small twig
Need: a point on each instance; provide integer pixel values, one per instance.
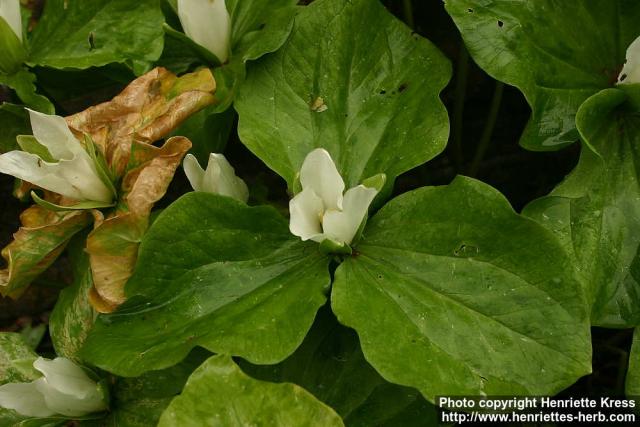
(458, 106)
(408, 13)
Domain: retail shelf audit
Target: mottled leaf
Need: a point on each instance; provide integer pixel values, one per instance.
(475, 298)
(596, 210)
(366, 93)
(234, 399)
(83, 34)
(215, 273)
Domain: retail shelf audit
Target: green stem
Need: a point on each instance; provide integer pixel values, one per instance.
(408, 13)
(488, 129)
(458, 106)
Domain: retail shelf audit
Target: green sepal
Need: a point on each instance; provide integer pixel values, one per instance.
(204, 54)
(104, 172)
(331, 247)
(633, 95)
(376, 181)
(13, 53)
(88, 204)
(297, 185)
(29, 144)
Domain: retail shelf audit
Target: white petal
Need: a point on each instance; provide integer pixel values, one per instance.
(67, 404)
(10, 11)
(65, 376)
(207, 22)
(73, 178)
(53, 132)
(25, 399)
(194, 172)
(342, 226)
(305, 211)
(631, 71)
(320, 174)
(220, 177)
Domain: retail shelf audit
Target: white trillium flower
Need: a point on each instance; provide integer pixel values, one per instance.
(630, 73)
(218, 178)
(64, 389)
(320, 211)
(207, 22)
(74, 173)
(10, 11)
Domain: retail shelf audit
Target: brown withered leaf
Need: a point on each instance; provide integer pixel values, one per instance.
(41, 238)
(113, 244)
(148, 109)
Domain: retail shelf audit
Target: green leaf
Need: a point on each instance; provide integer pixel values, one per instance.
(13, 53)
(13, 122)
(534, 46)
(632, 387)
(330, 365)
(73, 317)
(475, 298)
(23, 83)
(596, 210)
(80, 35)
(16, 359)
(234, 399)
(215, 273)
(368, 93)
(140, 401)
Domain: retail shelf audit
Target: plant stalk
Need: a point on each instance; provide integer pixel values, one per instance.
(487, 132)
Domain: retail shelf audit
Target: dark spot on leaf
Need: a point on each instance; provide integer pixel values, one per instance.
(402, 87)
(470, 10)
(379, 276)
(92, 42)
(261, 27)
(500, 24)
(382, 92)
(622, 77)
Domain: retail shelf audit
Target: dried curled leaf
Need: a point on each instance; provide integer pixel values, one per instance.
(123, 129)
(113, 244)
(41, 238)
(148, 109)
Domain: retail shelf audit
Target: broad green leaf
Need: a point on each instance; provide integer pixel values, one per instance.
(596, 210)
(354, 80)
(215, 273)
(23, 83)
(73, 316)
(235, 399)
(140, 401)
(92, 33)
(330, 365)
(13, 122)
(632, 387)
(558, 53)
(475, 298)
